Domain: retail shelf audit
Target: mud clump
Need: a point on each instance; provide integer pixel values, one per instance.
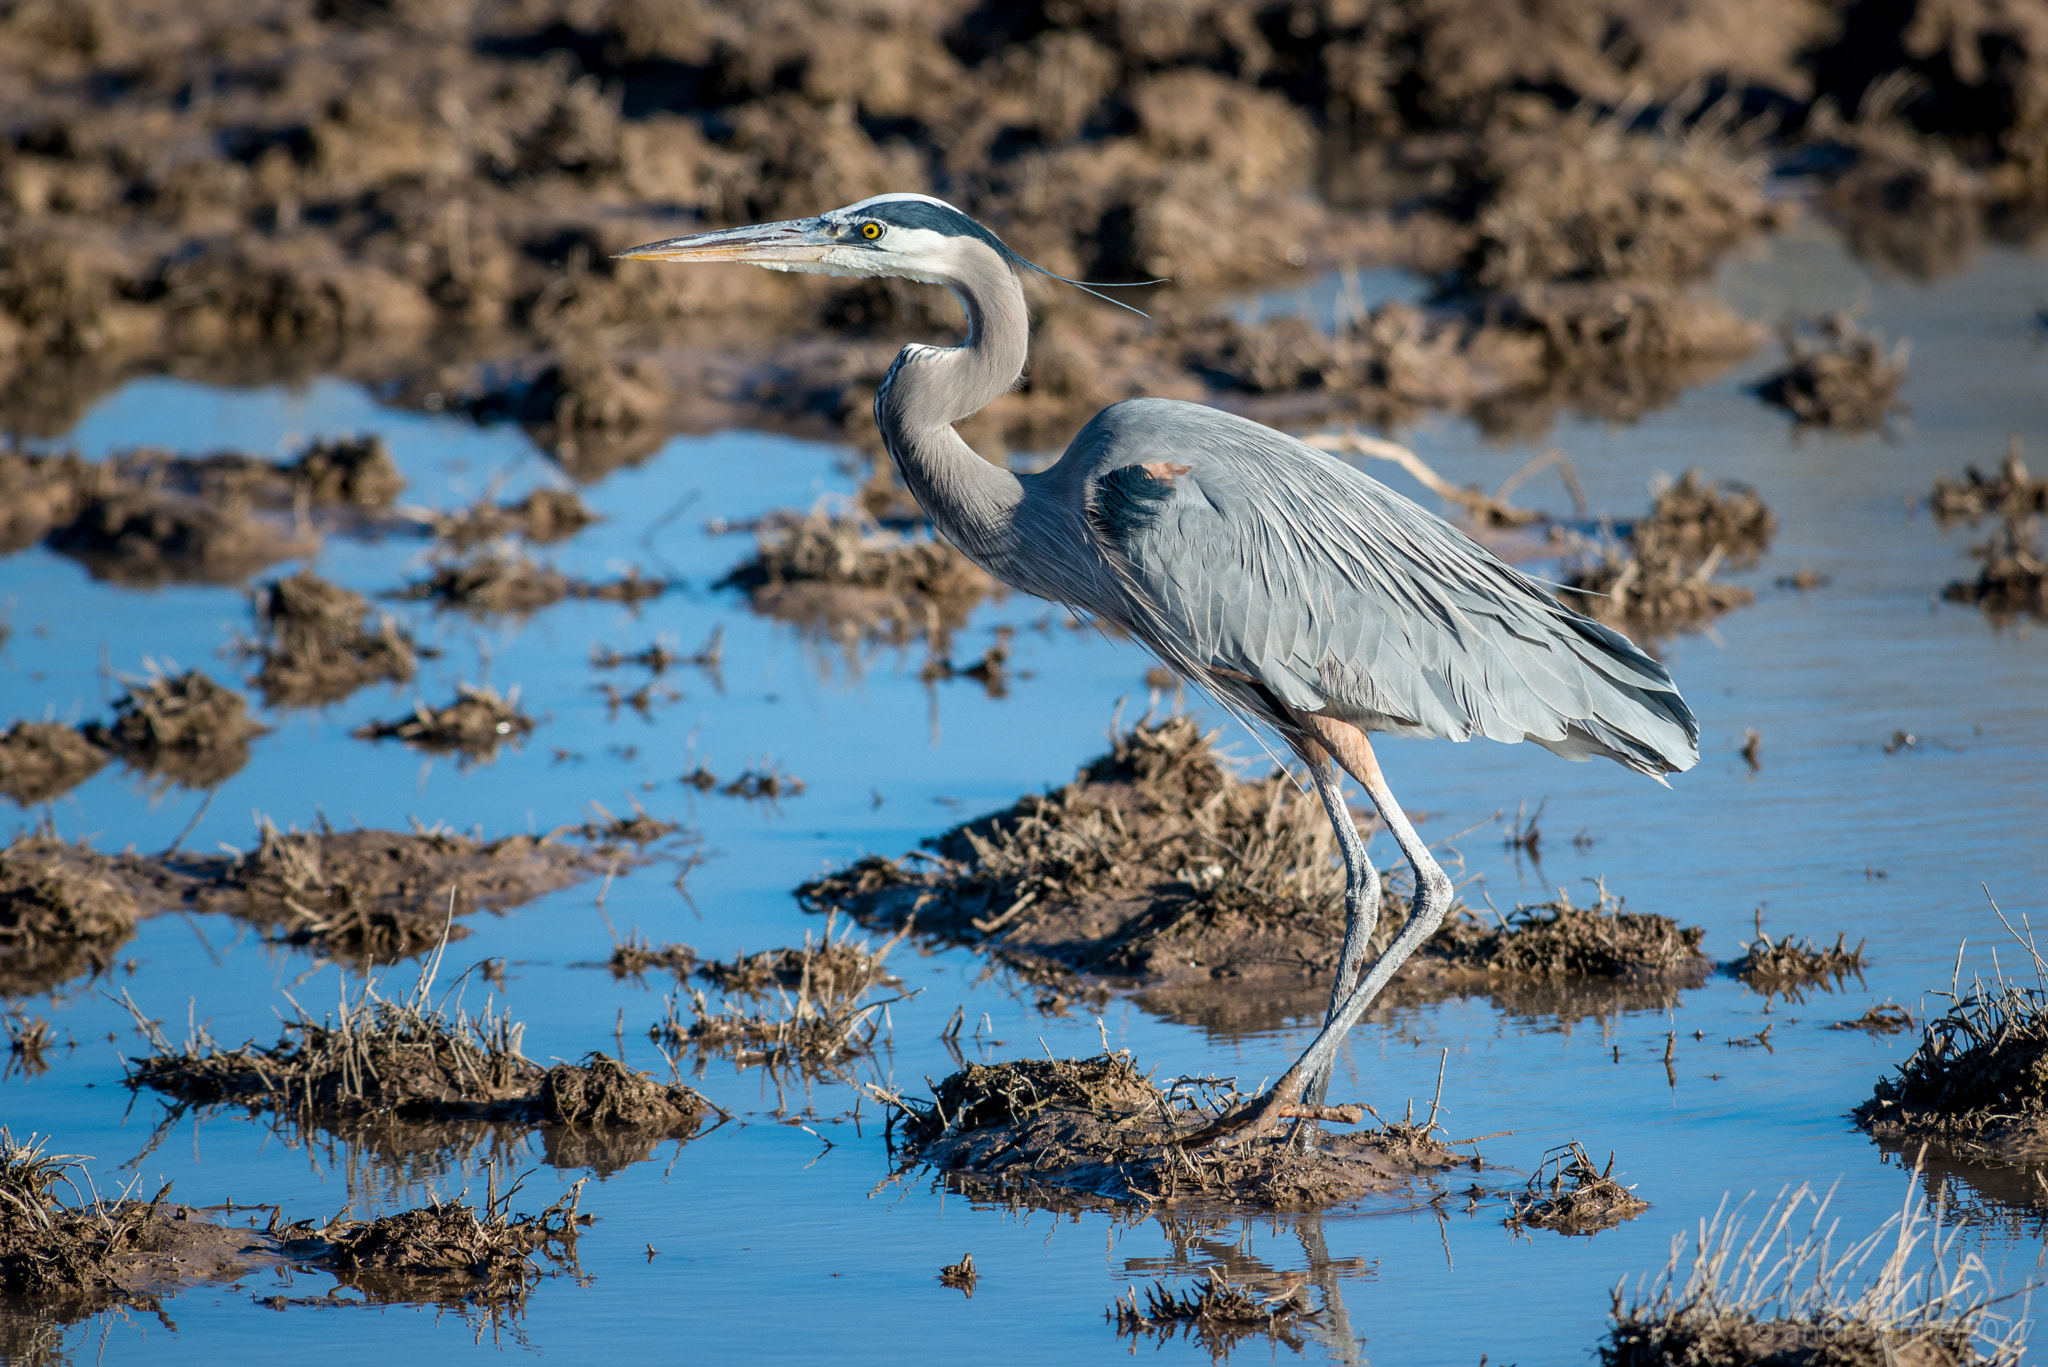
(1659, 578)
(822, 1016)
(183, 729)
(1887, 1018)
(371, 896)
(542, 518)
(142, 538)
(42, 760)
(99, 1253)
(1976, 1083)
(64, 910)
(1572, 1194)
(1098, 1128)
(472, 727)
(1217, 1314)
(837, 575)
(409, 1059)
(1556, 939)
(317, 644)
(491, 584)
(635, 955)
(2012, 493)
(2013, 581)
(1154, 861)
(1785, 968)
(1837, 375)
(449, 1250)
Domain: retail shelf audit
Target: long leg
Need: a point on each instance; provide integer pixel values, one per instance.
(1349, 747)
(1361, 901)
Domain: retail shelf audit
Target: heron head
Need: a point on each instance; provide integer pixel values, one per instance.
(913, 237)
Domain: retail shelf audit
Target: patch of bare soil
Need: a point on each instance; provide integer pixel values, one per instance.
(318, 642)
(838, 576)
(1097, 1128)
(472, 727)
(1158, 863)
(370, 896)
(2011, 493)
(1217, 1313)
(2013, 581)
(1572, 1194)
(410, 1059)
(1977, 1082)
(1659, 576)
(42, 760)
(1837, 375)
(492, 582)
(64, 910)
(821, 1015)
(542, 518)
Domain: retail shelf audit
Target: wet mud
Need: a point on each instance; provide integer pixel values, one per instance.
(841, 578)
(1572, 1194)
(1657, 575)
(147, 517)
(472, 727)
(498, 583)
(806, 1010)
(1158, 864)
(1837, 375)
(542, 518)
(1097, 1128)
(88, 1255)
(409, 1059)
(326, 211)
(1972, 1086)
(180, 729)
(317, 643)
(42, 760)
(64, 911)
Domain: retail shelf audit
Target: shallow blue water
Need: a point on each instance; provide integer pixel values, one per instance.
(768, 1244)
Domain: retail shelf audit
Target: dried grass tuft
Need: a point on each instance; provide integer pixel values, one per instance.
(1837, 375)
(317, 644)
(472, 727)
(1216, 1313)
(42, 760)
(1792, 1302)
(185, 729)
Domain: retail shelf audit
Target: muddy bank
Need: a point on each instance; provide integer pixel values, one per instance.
(1159, 864)
(1097, 1128)
(839, 577)
(328, 201)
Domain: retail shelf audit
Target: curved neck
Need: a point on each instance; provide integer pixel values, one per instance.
(929, 389)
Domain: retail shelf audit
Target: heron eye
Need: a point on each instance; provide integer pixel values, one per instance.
(870, 231)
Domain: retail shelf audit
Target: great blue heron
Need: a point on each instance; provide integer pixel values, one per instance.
(1299, 592)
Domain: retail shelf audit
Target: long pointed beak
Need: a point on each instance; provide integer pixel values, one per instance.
(796, 242)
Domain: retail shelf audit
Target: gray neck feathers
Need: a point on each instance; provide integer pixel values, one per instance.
(930, 388)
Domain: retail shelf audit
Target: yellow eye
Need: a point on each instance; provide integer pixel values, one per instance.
(870, 231)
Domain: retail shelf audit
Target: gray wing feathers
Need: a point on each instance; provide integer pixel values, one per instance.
(1279, 561)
